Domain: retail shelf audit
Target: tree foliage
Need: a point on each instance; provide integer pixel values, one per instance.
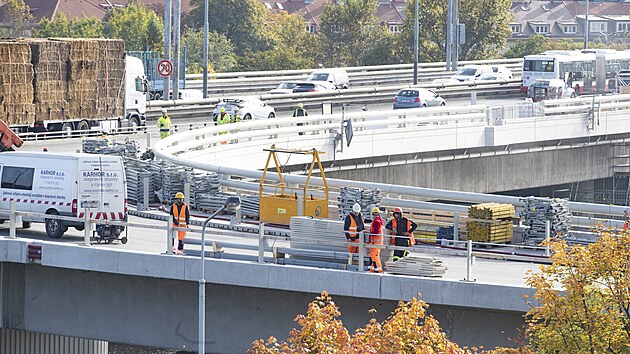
(15, 19)
(137, 25)
(487, 28)
(292, 46)
(408, 330)
(84, 27)
(347, 31)
(584, 298)
(221, 55)
(241, 21)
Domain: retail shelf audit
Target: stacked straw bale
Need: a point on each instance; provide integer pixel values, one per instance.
(110, 77)
(50, 61)
(16, 82)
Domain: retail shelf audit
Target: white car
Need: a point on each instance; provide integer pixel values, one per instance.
(189, 94)
(285, 87)
(502, 71)
(492, 77)
(248, 108)
(314, 86)
(471, 72)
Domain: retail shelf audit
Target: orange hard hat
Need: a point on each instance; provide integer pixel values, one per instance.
(398, 210)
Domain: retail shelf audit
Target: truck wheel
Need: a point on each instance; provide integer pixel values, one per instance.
(134, 123)
(83, 125)
(54, 227)
(157, 96)
(67, 128)
(26, 224)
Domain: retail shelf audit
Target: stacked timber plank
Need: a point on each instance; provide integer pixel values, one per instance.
(16, 83)
(490, 222)
(538, 211)
(367, 198)
(417, 265)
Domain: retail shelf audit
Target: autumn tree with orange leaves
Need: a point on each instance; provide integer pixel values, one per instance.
(409, 329)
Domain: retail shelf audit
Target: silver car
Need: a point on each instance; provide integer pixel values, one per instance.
(416, 98)
(248, 108)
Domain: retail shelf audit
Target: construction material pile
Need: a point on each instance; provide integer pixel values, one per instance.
(211, 202)
(137, 173)
(104, 146)
(319, 234)
(16, 83)
(446, 233)
(490, 222)
(417, 265)
(536, 213)
(61, 79)
(367, 198)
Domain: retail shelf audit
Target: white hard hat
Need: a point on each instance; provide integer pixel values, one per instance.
(356, 208)
(163, 110)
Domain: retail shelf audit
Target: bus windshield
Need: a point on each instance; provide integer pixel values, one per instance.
(538, 65)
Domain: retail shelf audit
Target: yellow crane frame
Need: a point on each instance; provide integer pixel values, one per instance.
(278, 208)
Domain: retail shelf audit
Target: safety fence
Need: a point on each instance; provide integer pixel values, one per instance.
(268, 244)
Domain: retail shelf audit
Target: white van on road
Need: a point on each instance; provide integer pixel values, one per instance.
(337, 77)
(65, 184)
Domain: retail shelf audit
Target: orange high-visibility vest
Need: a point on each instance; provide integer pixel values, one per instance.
(180, 216)
(352, 230)
(412, 239)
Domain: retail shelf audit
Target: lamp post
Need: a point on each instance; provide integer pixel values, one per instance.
(586, 28)
(415, 47)
(205, 50)
(231, 204)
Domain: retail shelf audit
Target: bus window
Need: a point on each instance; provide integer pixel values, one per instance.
(538, 65)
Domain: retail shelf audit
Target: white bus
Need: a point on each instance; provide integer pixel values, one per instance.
(586, 71)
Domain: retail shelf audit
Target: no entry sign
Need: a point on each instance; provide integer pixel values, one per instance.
(165, 67)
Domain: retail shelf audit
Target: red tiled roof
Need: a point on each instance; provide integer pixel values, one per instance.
(42, 8)
(89, 8)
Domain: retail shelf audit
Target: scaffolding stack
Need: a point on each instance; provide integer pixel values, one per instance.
(538, 211)
(367, 198)
(136, 172)
(417, 265)
(128, 149)
(490, 222)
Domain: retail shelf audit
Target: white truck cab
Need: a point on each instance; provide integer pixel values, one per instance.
(65, 184)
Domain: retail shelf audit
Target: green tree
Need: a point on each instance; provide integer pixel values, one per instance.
(84, 27)
(132, 24)
(15, 19)
(348, 30)
(533, 45)
(221, 55)
(486, 21)
(293, 47)
(241, 21)
(583, 298)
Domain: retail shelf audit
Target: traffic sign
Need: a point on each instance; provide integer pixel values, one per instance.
(165, 67)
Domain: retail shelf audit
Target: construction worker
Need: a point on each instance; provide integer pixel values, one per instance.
(223, 118)
(181, 218)
(235, 118)
(164, 124)
(352, 226)
(376, 238)
(401, 230)
(300, 112)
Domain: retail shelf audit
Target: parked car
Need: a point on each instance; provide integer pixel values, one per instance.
(471, 72)
(442, 82)
(284, 87)
(502, 71)
(338, 77)
(417, 97)
(248, 108)
(541, 89)
(313, 86)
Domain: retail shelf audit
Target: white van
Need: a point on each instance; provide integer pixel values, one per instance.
(65, 184)
(337, 77)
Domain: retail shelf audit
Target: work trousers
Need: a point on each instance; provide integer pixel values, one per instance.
(375, 256)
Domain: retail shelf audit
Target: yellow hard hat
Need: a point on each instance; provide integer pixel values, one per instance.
(179, 195)
(235, 109)
(300, 105)
(376, 210)
(222, 109)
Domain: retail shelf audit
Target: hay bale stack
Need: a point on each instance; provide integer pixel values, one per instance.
(111, 77)
(82, 72)
(50, 61)
(16, 83)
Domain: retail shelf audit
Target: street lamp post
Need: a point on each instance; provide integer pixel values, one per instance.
(231, 204)
(415, 48)
(586, 28)
(205, 50)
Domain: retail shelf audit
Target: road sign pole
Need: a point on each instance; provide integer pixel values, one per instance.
(167, 45)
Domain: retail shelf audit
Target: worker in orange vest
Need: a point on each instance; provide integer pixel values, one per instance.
(376, 238)
(181, 218)
(401, 230)
(352, 226)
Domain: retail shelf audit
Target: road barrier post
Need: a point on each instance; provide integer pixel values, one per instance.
(145, 196)
(12, 231)
(169, 235)
(456, 226)
(87, 228)
(361, 250)
(547, 238)
(261, 243)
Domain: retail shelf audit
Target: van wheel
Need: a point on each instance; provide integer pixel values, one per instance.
(271, 116)
(55, 227)
(26, 224)
(79, 227)
(247, 117)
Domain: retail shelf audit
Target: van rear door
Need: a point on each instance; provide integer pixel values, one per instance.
(102, 187)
